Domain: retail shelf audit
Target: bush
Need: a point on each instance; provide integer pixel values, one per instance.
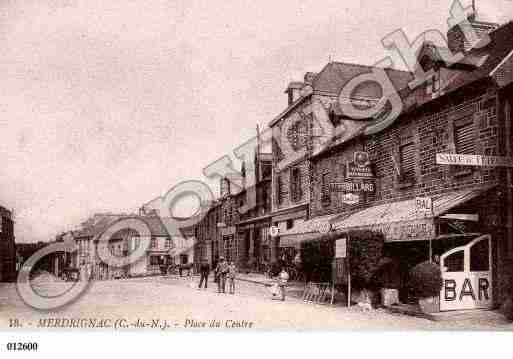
(365, 249)
(316, 257)
(425, 280)
(387, 275)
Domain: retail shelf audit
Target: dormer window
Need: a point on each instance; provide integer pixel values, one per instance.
(433, 83)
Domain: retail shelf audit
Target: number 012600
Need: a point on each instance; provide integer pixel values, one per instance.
(22, 346)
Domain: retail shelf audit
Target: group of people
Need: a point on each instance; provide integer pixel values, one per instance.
(225, 271)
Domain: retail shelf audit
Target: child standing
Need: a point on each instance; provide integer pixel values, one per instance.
(232, 274)
(282, 282)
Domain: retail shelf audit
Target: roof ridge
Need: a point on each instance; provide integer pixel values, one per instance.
(367, 66)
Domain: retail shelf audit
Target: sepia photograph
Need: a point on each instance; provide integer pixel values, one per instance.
(170, 167)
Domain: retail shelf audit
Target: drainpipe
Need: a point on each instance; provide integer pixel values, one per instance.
(509, 179)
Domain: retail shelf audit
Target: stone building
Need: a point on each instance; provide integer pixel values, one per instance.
(236, 226)
(298, 134)
(7, 246)
(256, 247)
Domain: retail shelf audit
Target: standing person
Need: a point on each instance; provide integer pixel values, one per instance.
(232, 274)
(282, 282)
(204, 271)
(221, 272)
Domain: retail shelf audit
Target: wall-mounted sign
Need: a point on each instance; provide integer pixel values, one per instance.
(227, 231)
(352, 187)
(341, 248)
(324, 227)
(462, 216)
(350, 198)
(274, 231)
(420, 229)
(360, 167)
(473, 160)
(424, 205)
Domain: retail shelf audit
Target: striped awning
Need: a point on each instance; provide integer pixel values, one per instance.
(400, 221)
(307, 230)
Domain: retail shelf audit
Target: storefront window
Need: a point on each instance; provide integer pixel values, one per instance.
(479, 257)
(454, 262)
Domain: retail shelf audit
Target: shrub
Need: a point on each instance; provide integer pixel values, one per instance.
(387, 275)
(365, 249)
(425, 280)
(316, 257)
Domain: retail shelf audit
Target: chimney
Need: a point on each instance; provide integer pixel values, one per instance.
(456, 39)
(224, 187)
(309, 77)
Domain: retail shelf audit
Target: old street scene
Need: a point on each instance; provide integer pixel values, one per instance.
(375, 198)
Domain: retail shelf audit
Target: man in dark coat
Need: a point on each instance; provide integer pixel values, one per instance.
(204, 271)
(221, 272)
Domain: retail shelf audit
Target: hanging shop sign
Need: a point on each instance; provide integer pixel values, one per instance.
(424, 205)
(461, 216)
(459, 225)
(349, 198)
(360, 167)
(323, 227)
(352, 187)
(412, 230)
(274, 231)
(473, 160)
(228, 231)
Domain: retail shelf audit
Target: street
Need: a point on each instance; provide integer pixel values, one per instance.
(175, 303)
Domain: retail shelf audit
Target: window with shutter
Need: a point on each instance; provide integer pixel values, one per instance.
(295, 184)
(279, 186)
(325, 191)
(407, 162)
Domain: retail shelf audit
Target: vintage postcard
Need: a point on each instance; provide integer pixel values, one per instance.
(175, 166)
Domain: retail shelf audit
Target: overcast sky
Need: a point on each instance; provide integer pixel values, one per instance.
(104, 105)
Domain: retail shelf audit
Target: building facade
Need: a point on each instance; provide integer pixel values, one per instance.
(435, 182)
(121, 244)
(7, 246)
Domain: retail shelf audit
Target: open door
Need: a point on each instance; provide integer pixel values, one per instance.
(467, 276)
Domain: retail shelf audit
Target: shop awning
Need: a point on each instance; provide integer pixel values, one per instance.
(400, 221)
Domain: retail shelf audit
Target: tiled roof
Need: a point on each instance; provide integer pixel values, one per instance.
(336, 75)
(495, 60)
(494, 54)
(101, 222)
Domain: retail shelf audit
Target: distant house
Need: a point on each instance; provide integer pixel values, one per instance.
(121, 244)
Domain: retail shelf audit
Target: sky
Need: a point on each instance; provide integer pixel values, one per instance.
(105, 105)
